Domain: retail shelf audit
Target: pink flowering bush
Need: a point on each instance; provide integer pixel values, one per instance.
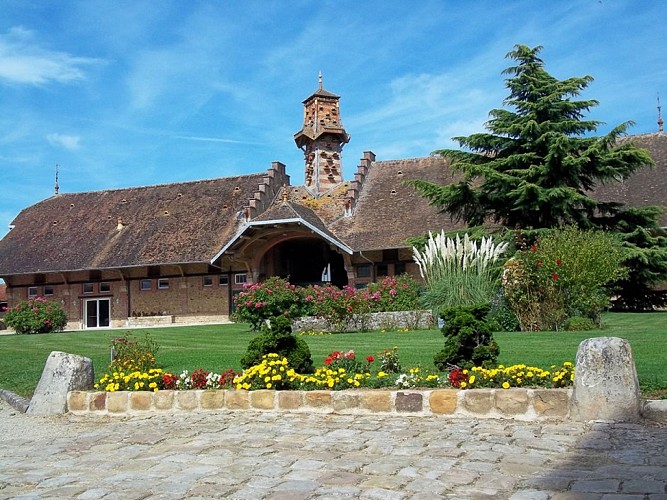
(36, 316)
(277, 297)
(259, 302)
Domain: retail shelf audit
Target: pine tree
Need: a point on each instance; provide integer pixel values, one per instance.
(536, 166)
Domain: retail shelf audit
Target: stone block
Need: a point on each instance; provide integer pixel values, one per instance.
(212, 400)
(551, 402)
(345, 400)
(187, 400)
(409, 401)
(163, 400)
(117, 402)
(77, 401)
(605, 382)
(479, 401)
(98, 401)
(62, 373)
(140, 401)
(290, 400)
(511, 401)
(376, 401)
(262, 399)
(443, 401)
(237, 400)
(318, 399)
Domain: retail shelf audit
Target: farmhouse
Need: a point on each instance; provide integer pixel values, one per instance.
(175, 253)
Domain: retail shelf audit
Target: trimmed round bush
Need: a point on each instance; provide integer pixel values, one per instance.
(277, 338)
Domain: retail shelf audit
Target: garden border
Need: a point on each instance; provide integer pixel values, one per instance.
(515, 403)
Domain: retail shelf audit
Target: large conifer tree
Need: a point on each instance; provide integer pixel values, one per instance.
(536, 168)
(536, 165)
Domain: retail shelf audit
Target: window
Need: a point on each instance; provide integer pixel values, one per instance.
(223, 280)
(48, 290)
(364, 271)
(32, 292)
(239, 279)
(390, 254)
(163, 283)
(208, 281)
(88, 288)
(146, 284)
(105, 287)
(382, 270)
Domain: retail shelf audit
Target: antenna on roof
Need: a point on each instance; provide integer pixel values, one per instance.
(660, 122)
(319, 80)
(56, 188)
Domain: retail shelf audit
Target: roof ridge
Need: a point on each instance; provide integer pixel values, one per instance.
(163, 184)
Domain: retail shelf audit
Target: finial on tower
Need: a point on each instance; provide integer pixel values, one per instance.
(319, 80)
(660, 122)
(56, 188)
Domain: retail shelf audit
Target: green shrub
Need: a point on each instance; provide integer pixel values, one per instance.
(36, 316)
(278, 339)
(501, 318)
(564, 274)
(468, 338)
(579, 324)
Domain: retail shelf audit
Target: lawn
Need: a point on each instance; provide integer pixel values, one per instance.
(219, 347)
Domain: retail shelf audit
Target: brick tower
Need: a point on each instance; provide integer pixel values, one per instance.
(321, 139)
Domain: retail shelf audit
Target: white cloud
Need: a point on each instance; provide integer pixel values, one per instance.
(23, 61)
(70, 142)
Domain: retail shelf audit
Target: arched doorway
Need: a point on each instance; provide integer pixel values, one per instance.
(304, 261)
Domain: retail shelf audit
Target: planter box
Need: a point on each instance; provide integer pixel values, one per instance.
(520, 404)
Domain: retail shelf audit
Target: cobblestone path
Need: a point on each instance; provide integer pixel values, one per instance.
(257, 455)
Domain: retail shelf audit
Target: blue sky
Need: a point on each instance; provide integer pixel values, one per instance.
(132, 93)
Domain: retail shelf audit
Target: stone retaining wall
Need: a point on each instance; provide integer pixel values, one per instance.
(521, 404)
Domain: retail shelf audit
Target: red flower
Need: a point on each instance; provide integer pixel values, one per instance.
(554, 276)
(539, 263)
(559, 262)
(370, 359)
(533, 248)
(327, 361)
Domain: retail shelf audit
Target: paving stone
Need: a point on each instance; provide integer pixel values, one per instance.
(270, 454)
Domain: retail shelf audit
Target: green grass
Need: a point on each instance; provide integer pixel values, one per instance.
(219, 347)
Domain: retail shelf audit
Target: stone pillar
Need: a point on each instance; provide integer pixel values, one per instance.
(605, 382)
(62, 373)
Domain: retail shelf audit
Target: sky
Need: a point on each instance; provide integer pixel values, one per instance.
(134, 93)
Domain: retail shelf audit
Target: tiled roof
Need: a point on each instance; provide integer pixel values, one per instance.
(169, 223)
(647, 186)
(388, 212)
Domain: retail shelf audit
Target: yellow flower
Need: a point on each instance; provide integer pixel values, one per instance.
(268, 386)
(463, 385)
(506, 385)
(381, 374)
(471, 380)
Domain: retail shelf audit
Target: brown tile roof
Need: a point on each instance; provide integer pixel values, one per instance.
(169, 223)
(388, 212)
(647, 186)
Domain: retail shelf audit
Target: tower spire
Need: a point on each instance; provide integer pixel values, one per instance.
(56, 188)
(660, 122)
(321, 138)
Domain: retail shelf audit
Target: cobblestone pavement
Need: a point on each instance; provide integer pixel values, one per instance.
(257, 455)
